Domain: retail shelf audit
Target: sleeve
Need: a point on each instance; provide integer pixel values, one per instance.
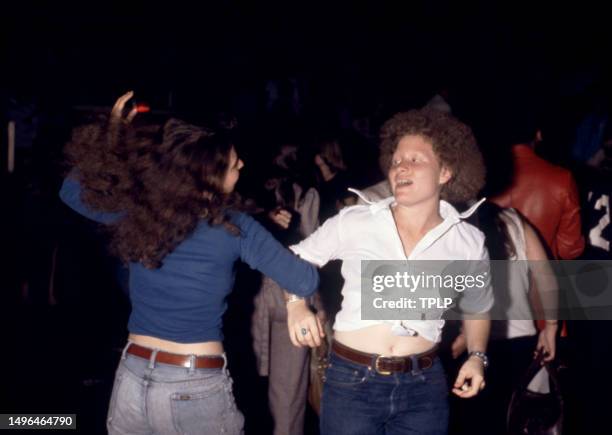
(323, 245)
(70, 194)
(263, 252)
(569, 241)
(478, 299)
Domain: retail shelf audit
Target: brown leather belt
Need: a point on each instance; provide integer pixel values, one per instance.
(386, 365)
(201, 362)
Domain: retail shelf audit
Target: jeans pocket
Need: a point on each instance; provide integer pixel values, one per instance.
(207, 408)
(344, 376)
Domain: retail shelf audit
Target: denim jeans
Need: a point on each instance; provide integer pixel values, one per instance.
(154, 398)
(360, 401)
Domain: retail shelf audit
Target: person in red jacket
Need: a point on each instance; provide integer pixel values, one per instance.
(544, 193)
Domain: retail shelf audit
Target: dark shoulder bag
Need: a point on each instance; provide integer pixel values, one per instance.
(532, 413)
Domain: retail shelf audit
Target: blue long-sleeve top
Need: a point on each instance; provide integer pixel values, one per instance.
(184, 300)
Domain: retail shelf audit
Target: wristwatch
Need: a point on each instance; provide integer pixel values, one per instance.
(482, 356)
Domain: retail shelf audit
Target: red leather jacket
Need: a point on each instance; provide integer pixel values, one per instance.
(547, 196)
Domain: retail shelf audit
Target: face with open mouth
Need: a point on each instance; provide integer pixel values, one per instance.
(416, 174)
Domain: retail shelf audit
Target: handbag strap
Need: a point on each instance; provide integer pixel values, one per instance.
(534, 368)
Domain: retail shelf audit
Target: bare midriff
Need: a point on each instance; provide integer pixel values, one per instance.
(378, 339)
(204, 348)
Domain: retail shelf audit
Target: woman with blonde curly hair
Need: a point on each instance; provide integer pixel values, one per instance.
(166, 195)
(384, 376)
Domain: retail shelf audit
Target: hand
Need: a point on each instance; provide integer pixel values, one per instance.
(459, 346)
(117, 111)
(280, 217)
(319, 160)
(470, 380)
(547, 342)
(301, 319)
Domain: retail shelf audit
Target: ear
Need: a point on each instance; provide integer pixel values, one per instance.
(445, 175)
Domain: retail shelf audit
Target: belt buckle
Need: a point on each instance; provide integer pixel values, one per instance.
(378, 369)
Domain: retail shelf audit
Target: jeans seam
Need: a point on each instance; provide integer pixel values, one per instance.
(111, 407)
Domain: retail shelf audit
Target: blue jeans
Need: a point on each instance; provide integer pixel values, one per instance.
(154, 398)
(360, 401)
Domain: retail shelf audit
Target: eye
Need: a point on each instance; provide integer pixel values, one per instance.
(396, 162)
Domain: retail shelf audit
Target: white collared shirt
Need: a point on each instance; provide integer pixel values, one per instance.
(368, 232)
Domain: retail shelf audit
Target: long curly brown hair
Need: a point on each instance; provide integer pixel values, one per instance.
(163, 179)
(452, 141)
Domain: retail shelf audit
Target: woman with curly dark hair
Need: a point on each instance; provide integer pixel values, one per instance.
(166, 193)
(384, 376)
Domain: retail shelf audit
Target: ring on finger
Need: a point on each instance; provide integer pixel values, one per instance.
(304, 331)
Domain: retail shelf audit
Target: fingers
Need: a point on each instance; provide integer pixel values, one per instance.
(304, 336)
(308, 332)
(476, 385)
(320, 325)
(460, 380)
(131, 115)
(315, 332)
(539, 348)
(305, 329)
(293, 337)
(470, 380)
(120, 104)
(548, 351)
(281, 217)
(470, 387)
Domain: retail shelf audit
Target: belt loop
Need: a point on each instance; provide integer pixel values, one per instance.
(224, 356)
(416, 370)
(192, 363)
(153, 358)
(372, 365)
(125, 349)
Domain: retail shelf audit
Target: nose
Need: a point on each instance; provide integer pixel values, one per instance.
(404, 166)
